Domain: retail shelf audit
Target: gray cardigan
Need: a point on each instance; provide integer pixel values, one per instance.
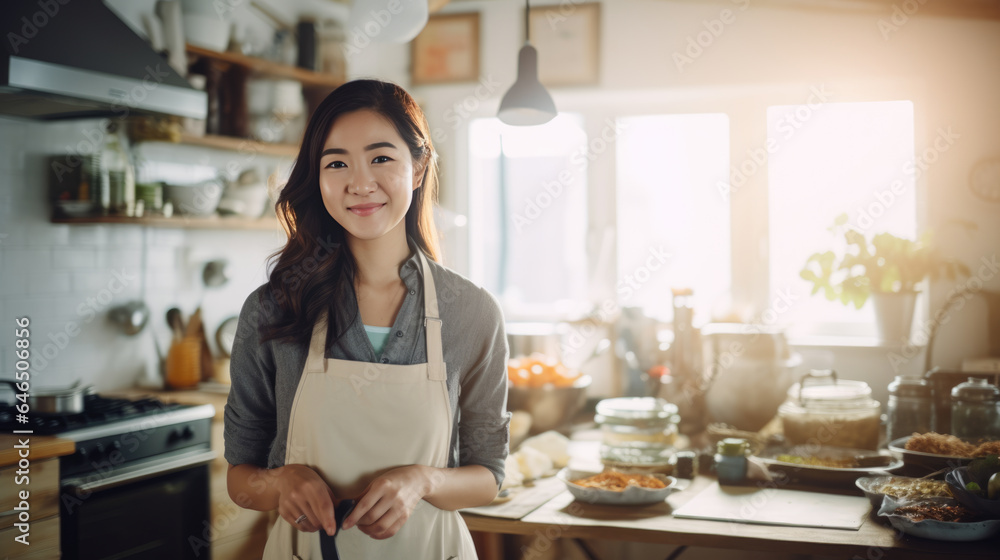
(265, 376)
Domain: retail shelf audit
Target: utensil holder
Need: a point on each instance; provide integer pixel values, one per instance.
(184, 363)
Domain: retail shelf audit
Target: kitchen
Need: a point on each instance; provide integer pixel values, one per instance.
(738, 102)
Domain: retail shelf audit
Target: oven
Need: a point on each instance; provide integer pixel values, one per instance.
(137, 486)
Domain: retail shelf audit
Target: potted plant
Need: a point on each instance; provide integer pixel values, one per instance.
(885, 267)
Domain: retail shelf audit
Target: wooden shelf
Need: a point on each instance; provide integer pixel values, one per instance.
(270, 68)
(182, 222)
(244, 145)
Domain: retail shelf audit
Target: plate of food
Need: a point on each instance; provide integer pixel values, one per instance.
(830, 466)
(617, 488)
(901, 488)
(940, 519)
(929, 452)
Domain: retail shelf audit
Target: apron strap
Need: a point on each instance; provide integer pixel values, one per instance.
(316, 360)
(432, 324)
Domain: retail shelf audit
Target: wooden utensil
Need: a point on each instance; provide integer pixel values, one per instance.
(196, 329)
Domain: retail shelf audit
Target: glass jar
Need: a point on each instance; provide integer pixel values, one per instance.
(637, 431)
(909, 408)
(731, 460)
(830, 412)
(974, 414)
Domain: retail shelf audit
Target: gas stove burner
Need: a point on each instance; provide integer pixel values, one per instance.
(97, 411)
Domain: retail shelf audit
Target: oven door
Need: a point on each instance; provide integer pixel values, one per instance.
(154, 510)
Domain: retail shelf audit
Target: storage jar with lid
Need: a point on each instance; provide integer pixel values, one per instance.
(974, 413)
(637, 431)
(824, 410)
(731, 460)
(909, 408)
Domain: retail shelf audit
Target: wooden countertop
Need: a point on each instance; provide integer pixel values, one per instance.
(563, 517)
(42, 447)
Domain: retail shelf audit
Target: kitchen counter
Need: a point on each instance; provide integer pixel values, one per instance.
(42, 447)
(563, 518)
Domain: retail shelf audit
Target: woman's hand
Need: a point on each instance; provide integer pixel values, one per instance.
(388, 501)
(301, 490)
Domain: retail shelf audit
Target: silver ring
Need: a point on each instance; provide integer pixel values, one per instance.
(300, 519)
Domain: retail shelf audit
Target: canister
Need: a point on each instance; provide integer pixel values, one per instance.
(825, 410)
(974, 414)
(637, 431)
(731, 460)
(909, 408)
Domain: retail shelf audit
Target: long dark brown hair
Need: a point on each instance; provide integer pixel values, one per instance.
(315, 269)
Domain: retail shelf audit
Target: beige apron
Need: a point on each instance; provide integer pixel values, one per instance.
(353, 421)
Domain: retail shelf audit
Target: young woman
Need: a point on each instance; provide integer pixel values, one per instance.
(363, 369)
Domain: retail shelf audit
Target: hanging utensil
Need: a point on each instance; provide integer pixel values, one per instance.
(130, 317)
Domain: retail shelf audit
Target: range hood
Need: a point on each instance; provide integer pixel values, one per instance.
(77, 59)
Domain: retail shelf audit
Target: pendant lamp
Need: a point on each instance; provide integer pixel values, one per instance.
(527, 103)
(389, 21)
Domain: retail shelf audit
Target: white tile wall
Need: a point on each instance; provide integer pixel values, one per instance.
(63, 276)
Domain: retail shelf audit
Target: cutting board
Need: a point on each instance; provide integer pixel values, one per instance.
(776, 506)
(525, 499)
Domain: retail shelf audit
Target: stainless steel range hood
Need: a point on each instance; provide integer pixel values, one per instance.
(77, 59)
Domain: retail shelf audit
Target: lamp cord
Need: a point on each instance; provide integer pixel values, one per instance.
(527, 21)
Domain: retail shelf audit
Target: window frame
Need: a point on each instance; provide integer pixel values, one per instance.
(746, 106)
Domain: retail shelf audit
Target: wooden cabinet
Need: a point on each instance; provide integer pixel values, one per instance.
(43, 499)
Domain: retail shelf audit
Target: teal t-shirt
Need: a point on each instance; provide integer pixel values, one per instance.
(378, 336)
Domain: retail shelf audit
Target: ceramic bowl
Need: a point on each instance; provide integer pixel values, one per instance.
(957, 479)
(870, 486)
(938, 530)
(631, 496)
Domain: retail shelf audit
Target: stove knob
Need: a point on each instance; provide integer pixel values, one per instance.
(173, 436)
(187, 433)
(97, 453)
(80, 456)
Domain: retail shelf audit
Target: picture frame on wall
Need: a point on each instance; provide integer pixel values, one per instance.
(567, 37)
(446, 50)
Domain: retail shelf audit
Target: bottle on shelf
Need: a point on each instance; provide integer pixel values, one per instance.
(117, 174)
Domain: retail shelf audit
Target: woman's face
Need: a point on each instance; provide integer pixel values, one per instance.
(367, 175)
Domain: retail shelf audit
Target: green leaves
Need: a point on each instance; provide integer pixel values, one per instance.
(886, 264)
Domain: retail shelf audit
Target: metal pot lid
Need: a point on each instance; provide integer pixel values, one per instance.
(638, 412)
(975, 390)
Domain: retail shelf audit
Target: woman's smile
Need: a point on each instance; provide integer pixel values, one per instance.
(366, 209)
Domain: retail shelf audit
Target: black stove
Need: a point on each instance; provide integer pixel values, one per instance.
(137, 486)
(98, 411)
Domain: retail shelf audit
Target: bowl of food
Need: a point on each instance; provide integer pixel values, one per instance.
(901, 488)
(940, 519)
(925, 453)
(977, 486)
(546, 389)
(617, 488)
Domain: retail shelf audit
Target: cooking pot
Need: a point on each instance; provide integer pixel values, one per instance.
(67, 400)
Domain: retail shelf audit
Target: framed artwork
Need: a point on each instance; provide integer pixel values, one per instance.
(567, 37)
(446, 50)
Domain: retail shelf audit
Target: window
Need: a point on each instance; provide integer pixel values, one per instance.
(667, 171)
(827, 160)
(528, 203)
